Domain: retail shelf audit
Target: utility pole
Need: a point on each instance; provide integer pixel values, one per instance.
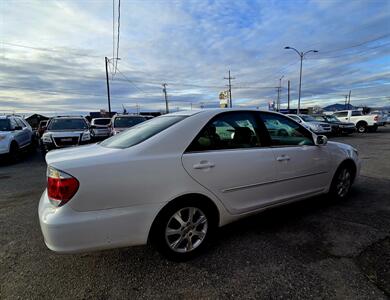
(166, 97)
(288, 96)
(301, 55)
(349, 98)
(108, 87)
(346, 101)
(230, 89)
(279, 90)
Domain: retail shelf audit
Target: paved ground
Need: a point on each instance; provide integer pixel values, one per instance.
(311, 249)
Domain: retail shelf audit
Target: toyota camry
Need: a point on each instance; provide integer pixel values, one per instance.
(173, 180)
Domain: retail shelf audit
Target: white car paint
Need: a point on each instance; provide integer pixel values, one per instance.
(23, 137)
(122, 190)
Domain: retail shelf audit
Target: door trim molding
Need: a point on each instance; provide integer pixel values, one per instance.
(248, 186)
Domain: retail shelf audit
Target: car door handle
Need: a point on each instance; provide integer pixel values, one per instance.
(283, 158)
(203, 165)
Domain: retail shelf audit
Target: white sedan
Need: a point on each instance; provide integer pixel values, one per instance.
(174, 179)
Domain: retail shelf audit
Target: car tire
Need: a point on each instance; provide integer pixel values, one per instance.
(14, 152)
(361, 127)
(179, 237)
(342, 182)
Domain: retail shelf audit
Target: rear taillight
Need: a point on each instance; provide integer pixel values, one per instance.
(376, 118)
(61, 187)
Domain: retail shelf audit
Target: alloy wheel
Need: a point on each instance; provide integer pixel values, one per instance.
(186, 229)
(343, 183)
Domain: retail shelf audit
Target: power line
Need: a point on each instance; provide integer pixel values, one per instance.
(357, 45)
(49, 49)
(359, 53)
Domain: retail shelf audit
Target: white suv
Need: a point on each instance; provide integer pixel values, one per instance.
(15, 134)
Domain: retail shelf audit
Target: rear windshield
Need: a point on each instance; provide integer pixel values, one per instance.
(5, 125)
(125, 122)
(101, 121)
(67, 124)
(141, 132)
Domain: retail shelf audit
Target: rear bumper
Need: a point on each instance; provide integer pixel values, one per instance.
(68, 231)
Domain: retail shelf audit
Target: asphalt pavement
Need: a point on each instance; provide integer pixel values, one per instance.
(316, 248)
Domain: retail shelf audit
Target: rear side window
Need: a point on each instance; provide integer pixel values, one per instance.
(285, 132)
(141, 132)
(20, 122)
(228, 131)
(356, 113)
(341, 114)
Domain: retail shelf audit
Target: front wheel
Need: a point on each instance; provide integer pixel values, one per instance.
(342, 182)
(183, 230)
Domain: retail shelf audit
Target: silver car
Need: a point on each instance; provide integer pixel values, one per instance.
(100, 128)
(312, 124)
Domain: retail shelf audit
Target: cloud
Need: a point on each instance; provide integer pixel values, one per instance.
(53, 54)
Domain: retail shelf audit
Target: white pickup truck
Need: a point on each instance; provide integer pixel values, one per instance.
(362, 122)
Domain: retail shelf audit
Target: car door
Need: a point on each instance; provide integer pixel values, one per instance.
(16, 131)
(302, 166)
(25, 133)
(228, 158)
(342, 115)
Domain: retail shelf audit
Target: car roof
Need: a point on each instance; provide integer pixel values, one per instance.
(68, 117)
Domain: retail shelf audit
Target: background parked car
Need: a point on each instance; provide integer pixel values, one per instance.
(123, 122)
(382, 117)
(362, 122)
(312, 124)
(64, 132)
(15, 135)
(100, 128)
(338, 127)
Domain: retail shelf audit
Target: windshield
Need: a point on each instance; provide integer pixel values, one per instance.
(124, 122)
(67, 124)
(5, 125)
(308, 118)
(101, 121)
(141, 132)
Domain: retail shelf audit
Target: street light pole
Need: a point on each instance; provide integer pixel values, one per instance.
(301, 55)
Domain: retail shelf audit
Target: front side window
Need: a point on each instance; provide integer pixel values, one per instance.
(67, 124)
(228, 131)
(285, 132)
(141, 132)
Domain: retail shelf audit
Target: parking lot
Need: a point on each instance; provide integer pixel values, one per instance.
(312, 249)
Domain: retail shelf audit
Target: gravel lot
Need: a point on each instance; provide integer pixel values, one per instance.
(311, 249)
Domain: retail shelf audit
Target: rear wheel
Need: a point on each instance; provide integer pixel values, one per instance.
(14, 152)
(183, 230)
(361, 127)
(342, 182)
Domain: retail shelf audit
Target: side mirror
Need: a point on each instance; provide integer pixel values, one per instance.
(18, 128)
(321, 140)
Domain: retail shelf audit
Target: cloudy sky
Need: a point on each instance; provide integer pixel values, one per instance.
(52, 53)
